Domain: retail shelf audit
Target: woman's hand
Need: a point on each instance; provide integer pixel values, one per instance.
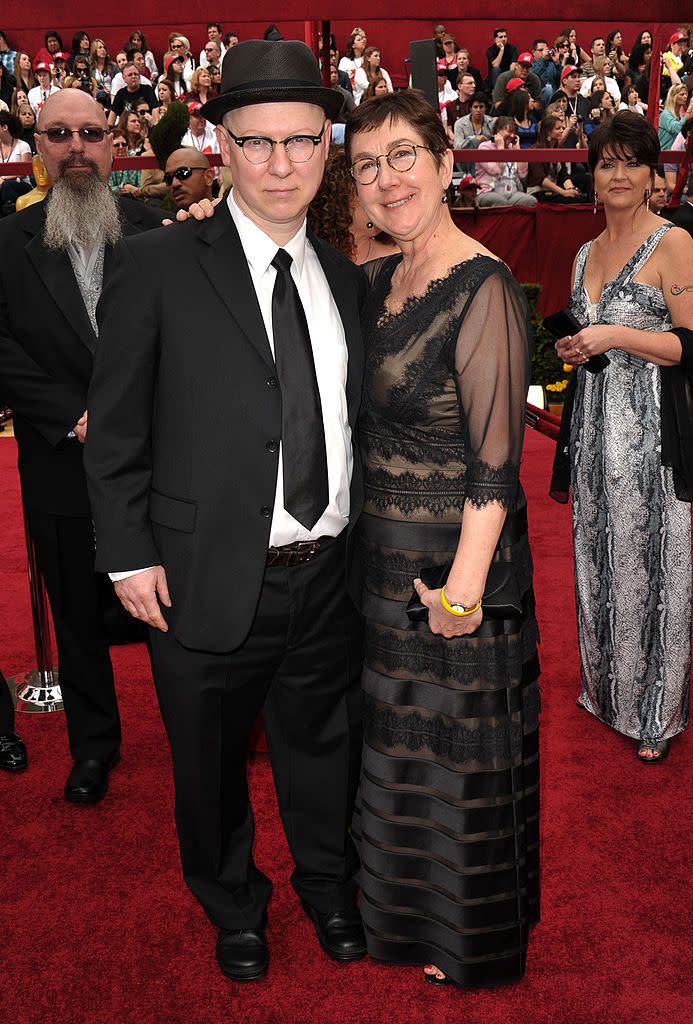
(576, 349)
(442, 623)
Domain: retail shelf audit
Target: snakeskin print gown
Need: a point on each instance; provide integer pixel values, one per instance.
(631, 535)
(447, 819)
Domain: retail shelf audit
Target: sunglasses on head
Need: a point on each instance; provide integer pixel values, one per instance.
(182, 173)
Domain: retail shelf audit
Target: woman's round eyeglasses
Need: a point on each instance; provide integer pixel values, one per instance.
(400, 158)
(258, 148)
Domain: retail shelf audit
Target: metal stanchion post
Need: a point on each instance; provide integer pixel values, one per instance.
(38, 691)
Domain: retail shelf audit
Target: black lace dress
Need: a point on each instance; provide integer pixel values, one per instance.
(447, 819)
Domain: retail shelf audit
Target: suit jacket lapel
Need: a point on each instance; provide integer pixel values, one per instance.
(346, 298)
(55, 270)
(223, 261)
(128, 230)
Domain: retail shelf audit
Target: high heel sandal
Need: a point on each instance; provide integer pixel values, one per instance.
(433, 980)
(660, 746)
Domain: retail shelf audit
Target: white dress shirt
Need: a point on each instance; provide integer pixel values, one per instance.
(331, 358)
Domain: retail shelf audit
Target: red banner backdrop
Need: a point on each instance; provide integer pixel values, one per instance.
(538, 244)
(388, 24)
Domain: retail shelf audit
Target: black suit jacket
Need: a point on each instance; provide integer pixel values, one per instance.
(181, 409)
(46, 355)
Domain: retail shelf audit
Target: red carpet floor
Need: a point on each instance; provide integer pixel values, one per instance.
(98, 928)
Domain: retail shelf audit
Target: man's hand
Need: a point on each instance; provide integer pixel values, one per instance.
(138, 596)
(80, 428)
(199, 211)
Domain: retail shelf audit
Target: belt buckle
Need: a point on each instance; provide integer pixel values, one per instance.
(306, 551)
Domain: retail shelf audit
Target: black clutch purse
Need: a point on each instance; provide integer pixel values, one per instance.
(501, 598)
(563, 323)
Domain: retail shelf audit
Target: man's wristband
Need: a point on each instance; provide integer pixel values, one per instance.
(458, 609)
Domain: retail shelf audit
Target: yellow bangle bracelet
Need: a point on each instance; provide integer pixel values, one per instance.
(454, 610)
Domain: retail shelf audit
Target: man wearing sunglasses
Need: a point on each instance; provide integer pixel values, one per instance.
(56, 255)
(222, 511)
(188, 177)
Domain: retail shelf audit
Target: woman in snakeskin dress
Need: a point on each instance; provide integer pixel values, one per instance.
(632, 286)
(448, 815)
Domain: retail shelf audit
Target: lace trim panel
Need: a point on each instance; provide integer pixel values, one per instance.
(445, 738)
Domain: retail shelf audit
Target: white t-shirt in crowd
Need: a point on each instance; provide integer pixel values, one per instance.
(21, 151)
(38, 96)
(360, 82)
(611, 87)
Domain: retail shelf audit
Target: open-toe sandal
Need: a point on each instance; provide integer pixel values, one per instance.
(661, 746)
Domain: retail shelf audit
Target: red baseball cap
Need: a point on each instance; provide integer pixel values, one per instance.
(61, 55)
(515, 83)
(467, 181)
(170, 59)
(42, 66)
(569, 69)
(194, 106)
(678, 37)
(525, 58)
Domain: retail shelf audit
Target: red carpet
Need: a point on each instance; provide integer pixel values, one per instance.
(97, 927)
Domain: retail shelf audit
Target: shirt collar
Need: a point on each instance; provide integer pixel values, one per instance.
(258, 247)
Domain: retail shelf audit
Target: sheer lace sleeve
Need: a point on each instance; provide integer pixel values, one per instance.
(492, 363)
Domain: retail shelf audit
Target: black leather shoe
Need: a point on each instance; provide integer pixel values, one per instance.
(243, 955)
(12, 753)
(340, 933)
(87, 783)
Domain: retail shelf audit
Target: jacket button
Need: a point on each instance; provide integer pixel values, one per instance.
(272, 447)
(272, 382)
(266, 511)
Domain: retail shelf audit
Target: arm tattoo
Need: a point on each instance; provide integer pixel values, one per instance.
(680, 289)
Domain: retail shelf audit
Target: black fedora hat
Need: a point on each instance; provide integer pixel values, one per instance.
(267, 71)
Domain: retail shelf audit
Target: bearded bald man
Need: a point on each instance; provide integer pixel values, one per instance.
(56, 256)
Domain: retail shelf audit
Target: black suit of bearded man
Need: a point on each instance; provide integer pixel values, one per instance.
(47, 346)
(182, 460)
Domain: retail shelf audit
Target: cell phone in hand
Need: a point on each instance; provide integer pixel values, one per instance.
(562, 324)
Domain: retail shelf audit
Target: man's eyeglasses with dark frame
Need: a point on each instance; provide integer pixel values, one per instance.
(257, 149)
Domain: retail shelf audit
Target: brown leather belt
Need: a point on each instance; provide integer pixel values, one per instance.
(300, 553)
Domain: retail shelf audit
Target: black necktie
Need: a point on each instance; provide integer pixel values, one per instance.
(304, 458)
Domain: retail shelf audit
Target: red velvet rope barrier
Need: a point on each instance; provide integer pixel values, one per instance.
(476, 156)
(541, 421)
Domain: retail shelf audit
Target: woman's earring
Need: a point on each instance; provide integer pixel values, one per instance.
(369, 224)
(648, 193)
(596, 200)
(444, 198)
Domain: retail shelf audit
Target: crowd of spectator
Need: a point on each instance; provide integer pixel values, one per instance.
(551, 93)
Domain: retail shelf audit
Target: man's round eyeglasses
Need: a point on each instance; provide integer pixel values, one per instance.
(258, 148)
(59, 136)
(400, 158)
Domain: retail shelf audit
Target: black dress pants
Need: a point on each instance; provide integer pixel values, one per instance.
(65, 550)
(300, 664)
(6, 708)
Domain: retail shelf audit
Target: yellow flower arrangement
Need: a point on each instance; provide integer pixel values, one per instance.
(558, 388)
